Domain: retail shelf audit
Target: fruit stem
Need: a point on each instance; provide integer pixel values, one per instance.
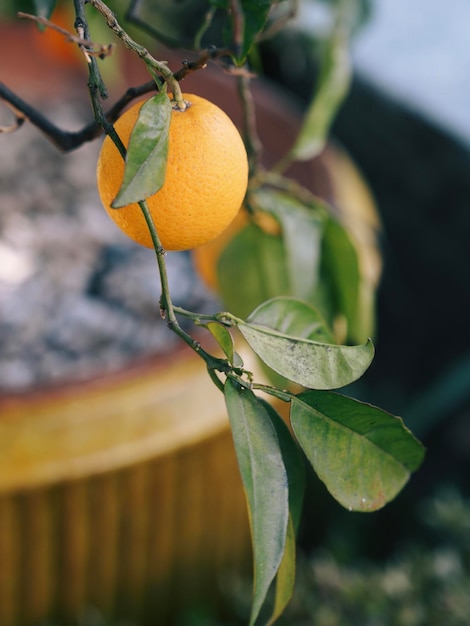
(154, 66)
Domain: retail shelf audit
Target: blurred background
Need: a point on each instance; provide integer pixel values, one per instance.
(419, 54)
(406, 126)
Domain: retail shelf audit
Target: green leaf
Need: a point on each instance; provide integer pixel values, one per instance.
(292, 317)
(224, 339)
(255, 14)
(340, 269)
(44, 8)
(251, 269)
(285, 579)
(265, 482)
(144, 172)
(176, 24)
(244, 23)
(333, 84)
(186, 23)
(302, 229)
(281, 342)
(293, 462)
(363, 454)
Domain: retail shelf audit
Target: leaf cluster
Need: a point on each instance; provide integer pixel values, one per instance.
(363, 454)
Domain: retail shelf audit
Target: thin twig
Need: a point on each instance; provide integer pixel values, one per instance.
(95, 82)
(252, 141)
(280, 21)
(238, 22)
(200, 63)
(168, 310)
(205, 26)
(88, 47)
(155, 67)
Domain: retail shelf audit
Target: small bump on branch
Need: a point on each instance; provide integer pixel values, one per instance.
(209, 54)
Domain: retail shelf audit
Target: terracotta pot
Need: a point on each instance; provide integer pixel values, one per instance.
(123, 492)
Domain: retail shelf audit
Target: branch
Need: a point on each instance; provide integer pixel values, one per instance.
(200, 63)
(252, 141)
(71, 140)
(155, 67)
(238, 24)
(19, 118)
(88, 47)
(280, 21)
(66, 140)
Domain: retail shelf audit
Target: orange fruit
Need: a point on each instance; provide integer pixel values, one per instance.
(205, 182)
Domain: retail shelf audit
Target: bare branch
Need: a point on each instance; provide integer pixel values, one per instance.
(200, 63)
(238, 24)
(282, 15)
(252, 141)
(19, 119)
(62, 139)
(88, 47)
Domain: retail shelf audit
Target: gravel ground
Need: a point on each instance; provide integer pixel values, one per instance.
(76, 296)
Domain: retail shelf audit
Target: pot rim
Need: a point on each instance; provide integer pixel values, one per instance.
(144, 411)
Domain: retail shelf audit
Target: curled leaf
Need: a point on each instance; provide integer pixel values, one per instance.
(280, 341)
(225, 341)
(144, 172)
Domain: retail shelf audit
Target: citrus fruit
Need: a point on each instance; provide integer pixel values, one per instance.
(205, 181)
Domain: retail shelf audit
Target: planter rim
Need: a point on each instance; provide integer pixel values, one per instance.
(145, 410)
(63, 387)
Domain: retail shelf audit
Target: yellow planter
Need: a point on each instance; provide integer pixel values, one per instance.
(123, 493)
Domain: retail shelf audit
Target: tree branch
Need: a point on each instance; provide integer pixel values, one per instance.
(62, 139)
(88, 47)
(201, 62)
(252, 141)
(71, 140)
(155, 67)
